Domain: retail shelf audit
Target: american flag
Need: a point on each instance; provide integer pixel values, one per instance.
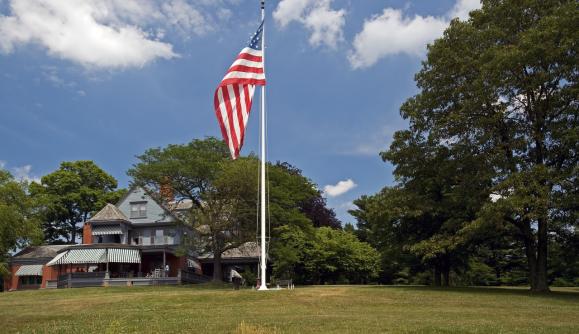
(233, 96)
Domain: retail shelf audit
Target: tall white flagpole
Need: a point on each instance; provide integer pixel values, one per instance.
(263, 284)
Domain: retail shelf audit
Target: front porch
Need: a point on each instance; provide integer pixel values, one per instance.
(99, 279)
(121, 265)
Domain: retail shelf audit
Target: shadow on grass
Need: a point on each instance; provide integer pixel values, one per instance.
(568, 296)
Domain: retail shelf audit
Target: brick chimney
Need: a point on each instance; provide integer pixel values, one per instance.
(167, 193)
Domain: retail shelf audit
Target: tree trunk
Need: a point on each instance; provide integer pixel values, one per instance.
(437, 280)
(217, 272)
(541, 282)
(531, 259)
(73, 232)
(446, 275)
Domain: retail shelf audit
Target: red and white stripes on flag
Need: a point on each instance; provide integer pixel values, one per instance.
(232, 100)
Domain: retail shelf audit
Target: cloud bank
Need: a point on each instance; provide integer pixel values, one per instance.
(100, 33)
(324, 23)
(392, 33)
(339, 188)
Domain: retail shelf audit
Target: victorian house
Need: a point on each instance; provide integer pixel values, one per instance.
(136, 242)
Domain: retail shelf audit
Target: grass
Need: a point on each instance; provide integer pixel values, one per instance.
(319, 309)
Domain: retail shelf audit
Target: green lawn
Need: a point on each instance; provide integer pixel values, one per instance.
(322, 309)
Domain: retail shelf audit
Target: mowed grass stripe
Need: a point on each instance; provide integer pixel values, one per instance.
(318, 309)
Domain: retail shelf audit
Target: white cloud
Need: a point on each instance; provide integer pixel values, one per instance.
(392, 33)
(2, 164)
(101, 33)
(340, 188)
(462, 8)
(324, 23)
(182, 15)
(368, 143)
(23, 174)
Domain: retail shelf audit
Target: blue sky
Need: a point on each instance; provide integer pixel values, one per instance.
(105, 80)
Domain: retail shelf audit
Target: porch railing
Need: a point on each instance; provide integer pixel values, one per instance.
(154, 240)
(192, 277)
(81, 280)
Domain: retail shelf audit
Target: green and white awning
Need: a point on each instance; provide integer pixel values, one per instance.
(30, 270)
(106, 229)
(97, 255)
(77, 256)
(124, 255)
(57, 259)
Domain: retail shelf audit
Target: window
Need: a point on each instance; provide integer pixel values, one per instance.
(146, 237)
(159, 237)
(30, 280)
(139, 210)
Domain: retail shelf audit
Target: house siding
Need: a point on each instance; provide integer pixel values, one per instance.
(155, 213)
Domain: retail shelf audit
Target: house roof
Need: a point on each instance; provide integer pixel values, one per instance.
(32, 252)
(244, 251)
(180, 205)
(109, 213)
(248, 249)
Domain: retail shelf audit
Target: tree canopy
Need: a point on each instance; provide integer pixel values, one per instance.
(224, 193)
(492, 144)
(69, 195)
(19, 225)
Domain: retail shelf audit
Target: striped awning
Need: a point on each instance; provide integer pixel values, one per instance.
(121, 255)
(85, 256)
(30, 270)
(106, 229)
(97, 255)
(57, 259)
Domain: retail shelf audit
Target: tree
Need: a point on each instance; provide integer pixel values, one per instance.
(324, 255)
(224, 193)
(503, 85)
(315, 207)
(69, 196)
(19, 225)
(191, 171)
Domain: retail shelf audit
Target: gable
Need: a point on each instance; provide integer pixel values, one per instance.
(141, 208)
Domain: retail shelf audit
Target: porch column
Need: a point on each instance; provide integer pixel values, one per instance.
(140, 273)
(164, 264)
(107, 275)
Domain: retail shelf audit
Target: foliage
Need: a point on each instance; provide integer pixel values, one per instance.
(497, 114)
(69, 196)
(225, 193)
(324, 255)
(314, 207)
(19, 225)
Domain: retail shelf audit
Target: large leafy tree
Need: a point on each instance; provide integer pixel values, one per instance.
(224, 193)
(503, 85)
(324, 255)
(191, 172)
(69, 196)
(19, 225)
(315, 206)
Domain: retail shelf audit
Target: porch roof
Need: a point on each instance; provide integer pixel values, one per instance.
(97, 255)
(30, 270)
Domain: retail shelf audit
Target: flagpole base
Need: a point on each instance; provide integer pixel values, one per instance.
(262, 288)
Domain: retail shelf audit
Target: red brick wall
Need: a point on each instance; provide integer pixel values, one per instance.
(11, 282)
(86, 234)
(175, 263)
(49, 274)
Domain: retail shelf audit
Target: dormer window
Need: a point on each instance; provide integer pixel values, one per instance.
(138, 209)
